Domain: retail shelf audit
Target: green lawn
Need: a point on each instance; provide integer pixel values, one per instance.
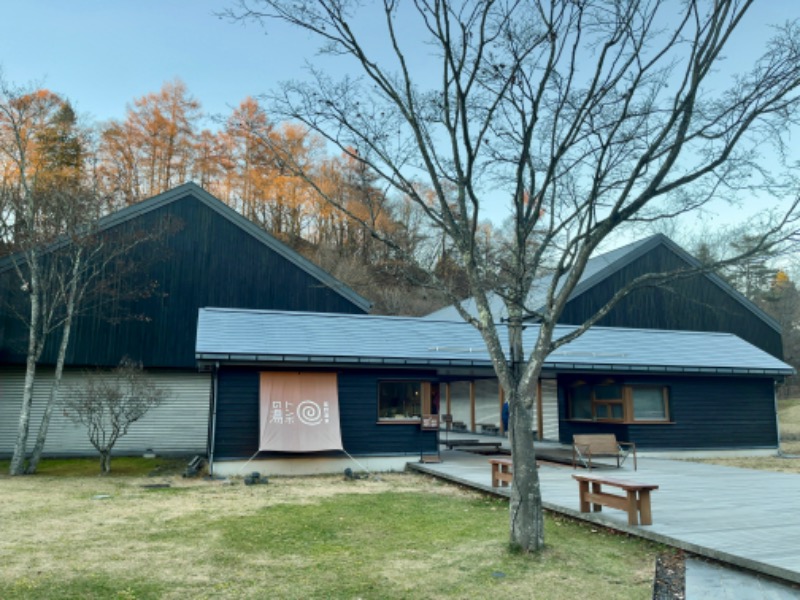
(121, 466)
(789, 419)
(403, 536)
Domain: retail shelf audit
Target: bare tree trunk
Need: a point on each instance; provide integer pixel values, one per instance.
(105, 462)
(525, 514)
(41, 436)
(35, 346)
(17, 466)
(525, 509)
(72, 300)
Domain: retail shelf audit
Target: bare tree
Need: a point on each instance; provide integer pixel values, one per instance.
(42, 202)
(49, 221)
(107, 404)
(578, 116)
(54, 283)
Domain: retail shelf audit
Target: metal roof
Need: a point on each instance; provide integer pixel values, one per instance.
(266, 336)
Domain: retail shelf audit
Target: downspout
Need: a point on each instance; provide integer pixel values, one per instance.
(214, 390)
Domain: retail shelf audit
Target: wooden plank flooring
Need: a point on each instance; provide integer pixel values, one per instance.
(747, 518)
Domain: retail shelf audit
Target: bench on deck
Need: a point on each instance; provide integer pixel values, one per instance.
(467, 444)
(464, 442)
(636, 500)
(459, 426)
(501, 471)
(489, 428)
(587, 446)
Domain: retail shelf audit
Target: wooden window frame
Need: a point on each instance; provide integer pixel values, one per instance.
(608, 403)
(629, 389)
(626, 401)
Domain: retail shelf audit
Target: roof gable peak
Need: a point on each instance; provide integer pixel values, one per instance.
(193, 190)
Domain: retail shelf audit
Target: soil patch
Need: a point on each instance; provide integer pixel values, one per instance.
(670, 577)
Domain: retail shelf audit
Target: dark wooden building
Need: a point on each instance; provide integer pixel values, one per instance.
(706, 413)
(663, 390)
(703, 302)
(364, 434)
(208, 255)
(203, 254)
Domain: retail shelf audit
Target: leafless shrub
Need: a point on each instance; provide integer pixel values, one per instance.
(108, 403)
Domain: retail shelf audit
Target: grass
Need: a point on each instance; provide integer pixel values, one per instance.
(69, 533)
(121, 466)
(403, 536)
(789, 418)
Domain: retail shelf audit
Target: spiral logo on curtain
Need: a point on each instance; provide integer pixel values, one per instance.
(312, 414)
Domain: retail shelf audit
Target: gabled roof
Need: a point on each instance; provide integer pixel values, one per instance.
(192, 189)
(281, 337)
(600, 268)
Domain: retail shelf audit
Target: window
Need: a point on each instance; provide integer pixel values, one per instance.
(608, 403)
(581, 402)
(649, 403)
(407, 400)
(612, 401)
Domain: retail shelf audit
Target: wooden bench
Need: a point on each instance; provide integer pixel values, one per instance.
(501, 471)
(636, 500)
(587, 446)
(467, 444)
(489, 428)
(451, 443)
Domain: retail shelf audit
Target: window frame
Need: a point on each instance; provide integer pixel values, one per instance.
(664, 400)
(608, 404)
(602, 408)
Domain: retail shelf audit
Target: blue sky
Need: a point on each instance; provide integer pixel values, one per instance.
(102, 54)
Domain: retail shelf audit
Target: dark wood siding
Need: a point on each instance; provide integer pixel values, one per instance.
(237, 419)
(361, 433)
(705, 413)
(692, 304)
(237, 427)
(208, 262)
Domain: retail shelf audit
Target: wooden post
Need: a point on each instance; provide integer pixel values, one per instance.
(501, 397)
(447, 398)
(472, 405)
(644, 507)
(633, 508)
(597, 489)
(583, 493)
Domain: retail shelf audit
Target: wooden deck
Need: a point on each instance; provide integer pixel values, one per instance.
(743, 517)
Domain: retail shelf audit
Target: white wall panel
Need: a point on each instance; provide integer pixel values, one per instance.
(180, 425)
(550, 409)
